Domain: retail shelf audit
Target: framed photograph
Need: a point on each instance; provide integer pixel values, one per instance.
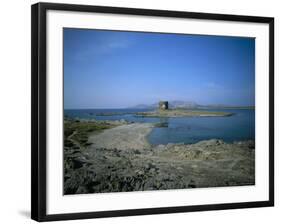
(139, 111)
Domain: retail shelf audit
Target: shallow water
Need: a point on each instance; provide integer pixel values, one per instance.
(240, 126)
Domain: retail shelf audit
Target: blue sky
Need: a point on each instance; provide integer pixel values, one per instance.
(111, 69)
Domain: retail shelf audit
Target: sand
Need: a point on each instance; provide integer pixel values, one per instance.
(124, 137)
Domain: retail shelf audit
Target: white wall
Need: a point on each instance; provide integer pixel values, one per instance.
(15, 110)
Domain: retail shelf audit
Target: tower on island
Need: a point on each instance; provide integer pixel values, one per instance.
(163, 105)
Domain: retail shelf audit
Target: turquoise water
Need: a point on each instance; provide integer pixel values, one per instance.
(240, 126)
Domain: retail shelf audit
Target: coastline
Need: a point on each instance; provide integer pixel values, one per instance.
(182, 113)
(118, 158)
(124, 137)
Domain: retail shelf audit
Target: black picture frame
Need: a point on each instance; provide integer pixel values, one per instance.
(38, 108)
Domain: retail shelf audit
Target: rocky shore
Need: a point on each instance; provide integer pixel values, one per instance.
(115, 157)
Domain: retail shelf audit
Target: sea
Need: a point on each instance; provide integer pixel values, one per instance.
(238, 127)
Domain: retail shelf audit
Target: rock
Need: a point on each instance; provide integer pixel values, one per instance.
(251, 145)
(139, 172)
(173, 166)
(149, 166)
(77, 163)
(82, 190)
(212, 142)
(191, 184)
(137, 151)
(160, 147)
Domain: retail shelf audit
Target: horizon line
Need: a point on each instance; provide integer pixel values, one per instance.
(134, 107)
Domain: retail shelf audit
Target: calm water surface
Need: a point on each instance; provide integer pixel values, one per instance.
(240, 126)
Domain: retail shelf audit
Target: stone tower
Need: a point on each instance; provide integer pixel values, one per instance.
(163, 105)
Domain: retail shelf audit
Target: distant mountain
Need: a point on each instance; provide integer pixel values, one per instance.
(182, 104)
(190, 105)
(145, 106)
(224, 106)
(172, 104)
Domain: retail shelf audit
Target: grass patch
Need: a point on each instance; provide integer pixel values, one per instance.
(77, 132)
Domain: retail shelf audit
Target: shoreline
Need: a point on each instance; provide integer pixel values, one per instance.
(128, 163)
(172, 113)
(123, 137)
(175, 112)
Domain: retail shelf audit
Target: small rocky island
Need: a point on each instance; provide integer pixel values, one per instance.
(164, 111)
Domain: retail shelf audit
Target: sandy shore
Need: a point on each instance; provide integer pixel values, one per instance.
(131, 136)
(120, 159)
